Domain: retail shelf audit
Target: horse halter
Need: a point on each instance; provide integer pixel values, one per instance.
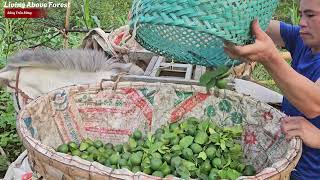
(17, 90)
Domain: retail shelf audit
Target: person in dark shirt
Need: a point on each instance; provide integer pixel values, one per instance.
(300, 83)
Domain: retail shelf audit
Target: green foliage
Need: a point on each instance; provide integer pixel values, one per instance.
(9, 140)
(288, 11)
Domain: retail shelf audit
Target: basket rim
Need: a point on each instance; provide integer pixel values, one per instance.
(34, 145)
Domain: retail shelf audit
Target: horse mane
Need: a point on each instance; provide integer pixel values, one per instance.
(68, 59)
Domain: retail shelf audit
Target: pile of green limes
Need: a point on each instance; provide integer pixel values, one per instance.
(190, 149)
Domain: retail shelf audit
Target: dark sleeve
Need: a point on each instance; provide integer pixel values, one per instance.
(290, 36)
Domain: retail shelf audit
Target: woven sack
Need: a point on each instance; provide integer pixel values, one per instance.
(193, 31)
(122, 42)
(110, 112)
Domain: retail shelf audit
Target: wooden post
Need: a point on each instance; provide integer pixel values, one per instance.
(66, 27)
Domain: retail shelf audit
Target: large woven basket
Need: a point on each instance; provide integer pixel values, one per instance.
(193, 31)
(110, 113)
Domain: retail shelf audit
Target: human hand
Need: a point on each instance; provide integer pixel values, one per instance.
(263, 50)
(301, 127)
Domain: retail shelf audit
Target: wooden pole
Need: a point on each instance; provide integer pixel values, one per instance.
(66, 27)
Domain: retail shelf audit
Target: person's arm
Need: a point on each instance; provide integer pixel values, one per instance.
(300, 91)
(273, 32)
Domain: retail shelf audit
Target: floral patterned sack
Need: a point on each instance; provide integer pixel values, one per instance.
(112, 111)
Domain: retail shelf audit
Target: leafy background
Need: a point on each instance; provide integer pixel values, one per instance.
(17, 34)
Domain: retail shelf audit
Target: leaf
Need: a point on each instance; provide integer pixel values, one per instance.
(211, 84)
(202, 155)
(186, 141)
(223, 144)
(189, 165)
(203, 126)
(229, 174)
(96, 20)
(176, 148)
(155, 146)
(206, 78)
(183, 172)
(212, 131)
(169, 135)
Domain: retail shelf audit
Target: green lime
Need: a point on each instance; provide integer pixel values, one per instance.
(122, 162)
(90, 158)
(83, 146)
(88, 141)
(222, 83)
(137, 134)
(132, 143)
(159, 131)
(101, 159)
(196, 148)
(191, 131)
(76, 152)
(157, 155)
(182, 135)
(216, 162)
(175, 140)
(201, 137)
(108, 152)
(249, 170)
(126, 155)
(84, 156)
(174, 126)
(167, 157)
(139, 153)
(165, 141)
(107, 163)
(136, 169)
(175, 161)
(205, 167)
(218, 153)
(145, 163)
(157, 136)
(114, 158)
(140, 143)
(92, 150)
(63, 148)
(135, 159)
(212, 176)
(73, 145)
(187, 153)
(165, 170)
(240, 167)
(157, 173)
(102, 150)
(147, 170)
(214, 170)
(97, 143)
(118, 148)
(211, 152)
(155, 163)
(108, 146)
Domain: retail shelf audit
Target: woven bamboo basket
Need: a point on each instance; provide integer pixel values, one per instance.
(194, 31)
(110, 111)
